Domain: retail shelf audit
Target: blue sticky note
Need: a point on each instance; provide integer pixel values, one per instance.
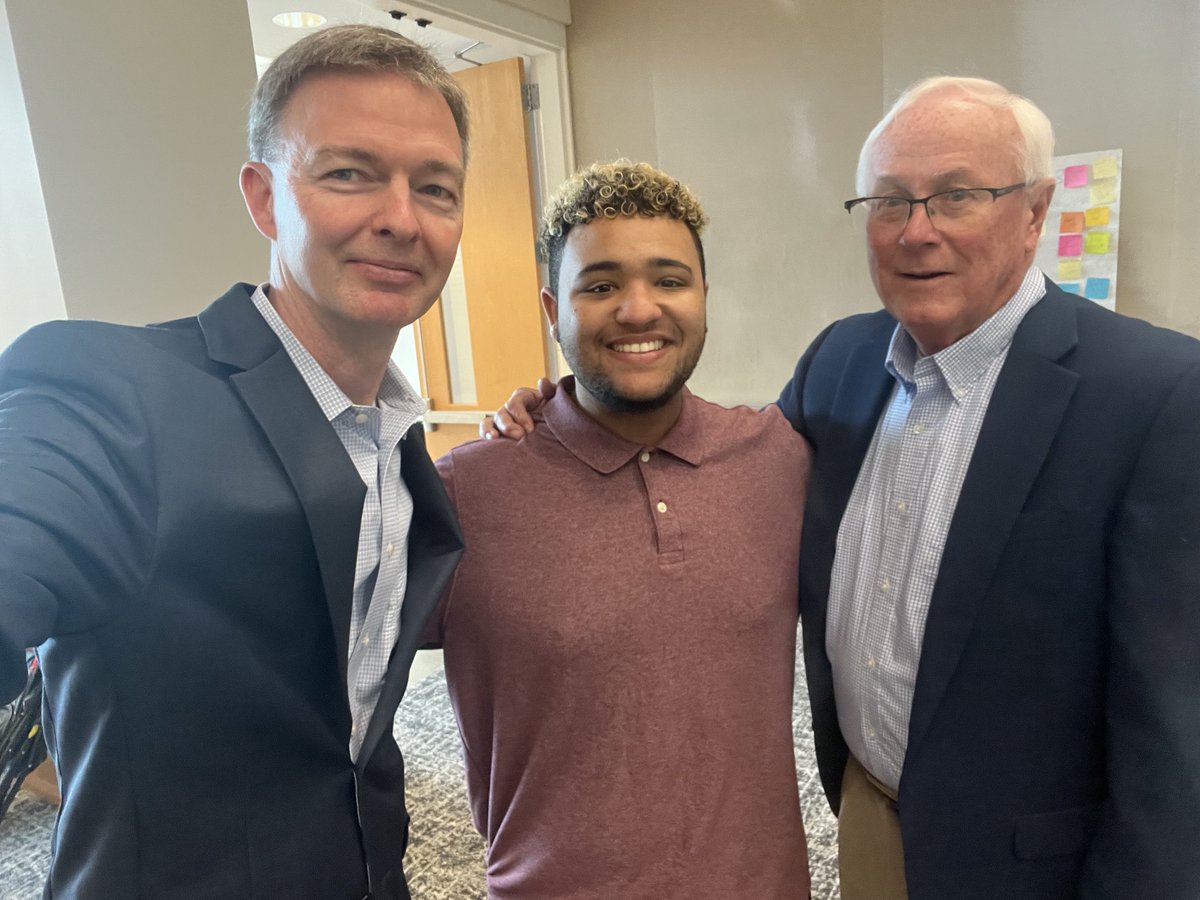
(1071, 287)
(1096, 289)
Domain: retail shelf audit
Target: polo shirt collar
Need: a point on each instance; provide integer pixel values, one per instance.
(599, 448)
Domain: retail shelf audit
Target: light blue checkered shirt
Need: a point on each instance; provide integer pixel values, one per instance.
(371, 435)
(890, 543)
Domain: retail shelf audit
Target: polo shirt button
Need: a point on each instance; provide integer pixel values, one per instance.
(662, 507)
(645, 456)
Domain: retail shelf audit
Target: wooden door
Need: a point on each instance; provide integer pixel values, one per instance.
(499, 265)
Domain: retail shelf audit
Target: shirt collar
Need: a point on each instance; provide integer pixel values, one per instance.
(964, 361)
(599, 448)
(394, 391)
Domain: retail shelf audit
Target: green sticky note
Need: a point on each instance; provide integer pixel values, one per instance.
(1095, 242)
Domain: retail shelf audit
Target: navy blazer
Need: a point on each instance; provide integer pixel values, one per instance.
(178, 532)
(1054, 739)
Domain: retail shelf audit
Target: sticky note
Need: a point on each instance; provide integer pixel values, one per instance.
(1096, 242)
(1071, 287)
(1103, 192)
(1070, 244)
(1097, 215)
(1075, 176)
(1070, 223)
(1105, 167)
(1096, 289)
(1069, 270)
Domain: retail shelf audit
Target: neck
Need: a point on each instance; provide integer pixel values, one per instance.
(354, 357)
(646, 428)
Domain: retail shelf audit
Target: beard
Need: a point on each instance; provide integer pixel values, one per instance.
(600, 386)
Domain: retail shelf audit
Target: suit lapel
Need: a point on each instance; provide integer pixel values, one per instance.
(326, 483)
(1028, 403)
(434, 547)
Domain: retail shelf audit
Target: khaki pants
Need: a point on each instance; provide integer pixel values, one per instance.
(870, 852)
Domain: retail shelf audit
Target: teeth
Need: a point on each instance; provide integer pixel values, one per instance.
(644, 347)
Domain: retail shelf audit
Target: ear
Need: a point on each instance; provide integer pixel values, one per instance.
(550, 307)
(1039, 205)
(259, 193)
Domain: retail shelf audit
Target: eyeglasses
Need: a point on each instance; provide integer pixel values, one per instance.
(959, 208)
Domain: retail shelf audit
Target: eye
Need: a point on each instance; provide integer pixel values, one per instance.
(440, 194)
(672, 282)
(604, 287)
(960, 195)
(889, 204)
(345, 175)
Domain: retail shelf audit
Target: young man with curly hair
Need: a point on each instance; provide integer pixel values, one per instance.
(625, 706)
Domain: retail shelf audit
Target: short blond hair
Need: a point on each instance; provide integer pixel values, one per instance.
(612, 189)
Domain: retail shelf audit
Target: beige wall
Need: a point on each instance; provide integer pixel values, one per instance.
(31, 291)
(762, 107)
(137, 113)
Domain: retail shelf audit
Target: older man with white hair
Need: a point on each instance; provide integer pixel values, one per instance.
(1000, 573)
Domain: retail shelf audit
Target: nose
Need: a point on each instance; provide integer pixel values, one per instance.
(919, 229)
(638, 305)
(396, 216)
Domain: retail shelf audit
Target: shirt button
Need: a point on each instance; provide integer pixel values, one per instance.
(391, 549)
(366, 640)
(918, 428)
(871, 663)
(901, 506)
(662, 507)
(360, 418)
(353, 730)
(884, 585)
(645, 456)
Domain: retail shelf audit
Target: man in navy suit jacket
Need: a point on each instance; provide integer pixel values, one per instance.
(224, 534)
(1000, 571)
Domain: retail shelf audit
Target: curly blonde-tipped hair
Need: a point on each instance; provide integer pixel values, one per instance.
(612, 189)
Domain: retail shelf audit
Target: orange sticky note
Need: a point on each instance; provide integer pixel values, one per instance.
(1105, 167)
(1102, 193)
(1070, 223)
(1095, 242)
(1096, 216)
(1069, 270)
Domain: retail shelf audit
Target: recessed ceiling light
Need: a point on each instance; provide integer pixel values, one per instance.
(298, 20)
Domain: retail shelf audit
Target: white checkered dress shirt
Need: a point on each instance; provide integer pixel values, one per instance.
(371, 435)
(892, 536)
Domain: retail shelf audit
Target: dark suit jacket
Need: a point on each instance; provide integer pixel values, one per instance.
(178, 531)
(1054, 741)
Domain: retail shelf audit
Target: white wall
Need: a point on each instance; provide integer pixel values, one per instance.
(762, 107)
(30, 291)
(137, 117)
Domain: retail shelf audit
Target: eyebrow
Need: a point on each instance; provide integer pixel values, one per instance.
(436, 166)
(961, 176)
(656, 262)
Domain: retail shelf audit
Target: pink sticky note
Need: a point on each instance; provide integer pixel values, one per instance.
(1075, 176)
(1070, 245)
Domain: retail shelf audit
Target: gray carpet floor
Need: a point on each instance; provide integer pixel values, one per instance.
(445, 856)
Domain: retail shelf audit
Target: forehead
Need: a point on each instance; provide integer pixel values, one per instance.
(941, 136)
(631, 240)
(373, 110)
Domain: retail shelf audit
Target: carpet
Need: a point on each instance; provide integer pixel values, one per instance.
(445, 854)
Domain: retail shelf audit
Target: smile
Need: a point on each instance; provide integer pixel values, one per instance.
(643, 347)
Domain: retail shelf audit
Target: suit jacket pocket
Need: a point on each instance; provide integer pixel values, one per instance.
(1058, 833)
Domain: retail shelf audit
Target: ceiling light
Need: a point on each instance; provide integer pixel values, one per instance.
(298, 20)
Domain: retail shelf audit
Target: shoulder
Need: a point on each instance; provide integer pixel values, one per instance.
(761, 437)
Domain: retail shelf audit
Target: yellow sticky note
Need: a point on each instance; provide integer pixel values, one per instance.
(1102, 193)
(1095, 242)
(1069, 270)
(1105, 167)
(1096, 216)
